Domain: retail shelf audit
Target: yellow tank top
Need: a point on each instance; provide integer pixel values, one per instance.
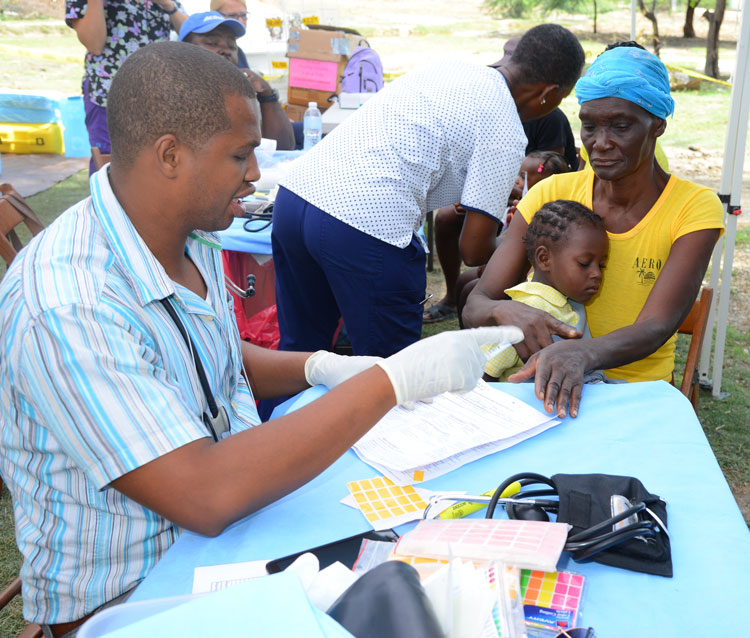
(636, 257)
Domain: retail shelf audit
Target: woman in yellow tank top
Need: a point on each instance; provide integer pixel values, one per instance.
(662, 231)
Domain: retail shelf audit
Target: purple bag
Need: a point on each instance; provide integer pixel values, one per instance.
(363, 72)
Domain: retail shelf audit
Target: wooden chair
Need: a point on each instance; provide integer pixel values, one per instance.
(695, 325)
(99, 158)
(13, 211)
(8, 594)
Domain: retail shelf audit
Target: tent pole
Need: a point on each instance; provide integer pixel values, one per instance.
(730, 190)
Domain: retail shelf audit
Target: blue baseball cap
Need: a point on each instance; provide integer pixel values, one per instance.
(208, 21)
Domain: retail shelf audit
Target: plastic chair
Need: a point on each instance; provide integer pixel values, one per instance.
(98, 158)
(13, 211)
(8, 594)
(695, 325)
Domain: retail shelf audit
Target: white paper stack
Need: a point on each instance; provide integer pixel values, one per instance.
(409, 446)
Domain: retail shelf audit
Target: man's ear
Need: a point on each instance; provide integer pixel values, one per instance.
(542, 258)
(167, 155)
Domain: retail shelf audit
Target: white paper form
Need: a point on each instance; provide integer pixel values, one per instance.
(217, 577)
(437, 437)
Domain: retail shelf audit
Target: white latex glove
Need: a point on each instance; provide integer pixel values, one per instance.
(447, 361)
(330, 369)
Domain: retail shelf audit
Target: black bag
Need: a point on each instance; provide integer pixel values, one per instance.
(587, 500)
(388, 601)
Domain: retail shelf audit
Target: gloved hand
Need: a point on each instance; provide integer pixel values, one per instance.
(330, 369)
(448, 361)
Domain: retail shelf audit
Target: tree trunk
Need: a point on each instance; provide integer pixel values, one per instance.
(688, 31)
(595, 15)
(715, 18)
(651, 16)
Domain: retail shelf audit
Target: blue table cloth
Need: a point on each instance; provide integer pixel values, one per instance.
(646, 430)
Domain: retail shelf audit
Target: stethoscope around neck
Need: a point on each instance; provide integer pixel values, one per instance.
(216, 419)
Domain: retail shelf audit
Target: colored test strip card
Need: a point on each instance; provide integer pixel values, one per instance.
(552, 598)
(526, 544)
(385, 504)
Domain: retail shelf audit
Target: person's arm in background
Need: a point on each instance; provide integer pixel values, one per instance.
(91, 27)
(478, 238)
(275, 124)
(559, 369)
(176, 17)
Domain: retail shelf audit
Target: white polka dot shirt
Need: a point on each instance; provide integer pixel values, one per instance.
(442, 134)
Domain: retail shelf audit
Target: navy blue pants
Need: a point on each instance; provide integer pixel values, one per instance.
(325, 269)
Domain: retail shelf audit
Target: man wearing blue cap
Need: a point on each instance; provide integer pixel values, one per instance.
(210, 30)
(662, 230)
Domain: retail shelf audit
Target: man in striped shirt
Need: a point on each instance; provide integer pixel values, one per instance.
(106, 319)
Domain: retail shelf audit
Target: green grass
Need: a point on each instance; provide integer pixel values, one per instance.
(11, 621)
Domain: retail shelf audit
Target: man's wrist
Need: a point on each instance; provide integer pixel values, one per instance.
(263, 98)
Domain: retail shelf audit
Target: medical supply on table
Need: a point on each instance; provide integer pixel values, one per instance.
(345, 551)
(525, 544)
(464, 508)
(614, 519)
(312, 126)
(551, 600)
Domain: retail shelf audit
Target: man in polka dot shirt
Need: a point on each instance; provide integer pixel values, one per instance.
(345, 240)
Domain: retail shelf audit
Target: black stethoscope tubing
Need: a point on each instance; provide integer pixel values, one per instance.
(211, 402)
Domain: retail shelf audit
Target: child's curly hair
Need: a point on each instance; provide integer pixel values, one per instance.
(553, 220)
(550, 162)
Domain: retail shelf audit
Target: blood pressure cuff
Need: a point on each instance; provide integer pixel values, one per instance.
(589, 499)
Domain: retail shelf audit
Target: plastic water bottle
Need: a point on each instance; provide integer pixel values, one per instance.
(312, 126)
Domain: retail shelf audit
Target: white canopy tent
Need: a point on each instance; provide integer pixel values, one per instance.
(730, 192)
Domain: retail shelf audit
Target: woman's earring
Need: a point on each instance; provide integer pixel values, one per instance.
(544, 100)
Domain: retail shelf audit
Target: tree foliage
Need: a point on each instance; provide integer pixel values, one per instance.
(524, 8)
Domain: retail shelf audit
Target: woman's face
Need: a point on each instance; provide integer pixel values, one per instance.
(619, 136)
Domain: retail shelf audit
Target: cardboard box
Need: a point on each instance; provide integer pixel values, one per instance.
(322, 45)
(317, 59)
(298, 96)
(296, 112)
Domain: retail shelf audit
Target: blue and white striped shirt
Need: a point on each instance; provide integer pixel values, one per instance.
(95, 381)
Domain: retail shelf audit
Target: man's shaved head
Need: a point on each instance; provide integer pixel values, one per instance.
(170, 87)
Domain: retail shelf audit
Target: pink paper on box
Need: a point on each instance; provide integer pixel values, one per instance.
(319, 75)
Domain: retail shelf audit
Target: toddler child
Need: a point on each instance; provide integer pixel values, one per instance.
(567, 246)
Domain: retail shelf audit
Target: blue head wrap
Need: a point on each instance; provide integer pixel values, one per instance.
(631, 74)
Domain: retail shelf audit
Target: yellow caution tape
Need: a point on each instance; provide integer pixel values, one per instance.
(695, 74)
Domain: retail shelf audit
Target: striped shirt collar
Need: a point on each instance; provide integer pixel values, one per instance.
(143, 271)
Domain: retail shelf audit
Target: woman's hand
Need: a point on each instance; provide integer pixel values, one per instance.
(537, 325)
(558, 372)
